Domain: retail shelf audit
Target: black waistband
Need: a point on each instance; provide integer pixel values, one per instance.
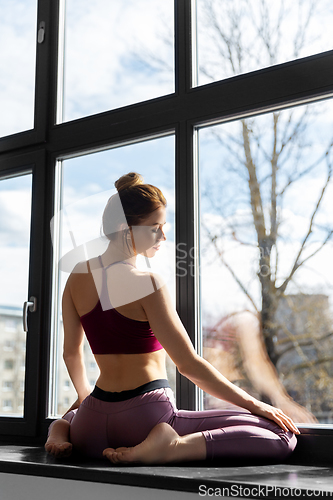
(113, 397)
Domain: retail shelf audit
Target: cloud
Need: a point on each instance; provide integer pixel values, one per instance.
(14, 267)
(220, 292)
(101, 69)
(15, 210)
(17, 63)
(259, 34)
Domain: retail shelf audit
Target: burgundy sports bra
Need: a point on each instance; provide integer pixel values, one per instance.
(109, 332)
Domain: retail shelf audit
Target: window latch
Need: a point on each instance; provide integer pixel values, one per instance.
(31, 304)
(41, 32)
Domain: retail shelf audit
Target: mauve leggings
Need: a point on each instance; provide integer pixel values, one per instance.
(97, 425)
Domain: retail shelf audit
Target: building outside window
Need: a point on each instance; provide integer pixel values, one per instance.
(9, 344)
(7, 405)
(10, 326)
(9, 364)
(7, 385)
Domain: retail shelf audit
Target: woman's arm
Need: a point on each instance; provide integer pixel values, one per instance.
(73, 346)
(259, 367)
(170, 332)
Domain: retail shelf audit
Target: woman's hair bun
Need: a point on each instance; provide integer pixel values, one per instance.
(128, 180)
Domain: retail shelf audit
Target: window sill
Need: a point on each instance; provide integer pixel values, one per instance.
(33, 461)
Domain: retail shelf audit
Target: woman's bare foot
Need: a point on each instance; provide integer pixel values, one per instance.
(57, 443)
(162, 445)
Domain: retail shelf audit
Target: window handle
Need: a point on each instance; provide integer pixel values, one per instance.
(41, 32)
(32, 305)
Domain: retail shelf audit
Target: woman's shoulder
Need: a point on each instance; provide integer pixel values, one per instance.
(80, 274)
(81, 268)
(81, 286)
(132, 285)
(150, 276)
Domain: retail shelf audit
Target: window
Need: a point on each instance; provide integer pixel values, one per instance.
(133, 65)
(15, 201)
(239, 36)
(7, 405)
(9, 344)
(9, 364)
(266, 240)
(7, 385)
(168, 103)
(81, 201)
(17, 62)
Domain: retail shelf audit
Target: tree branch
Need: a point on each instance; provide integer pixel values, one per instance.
(308, 364)
(306, 170)
(274, 163)
(256, 201)
(304, 343)
(297, 262)
(220, 254)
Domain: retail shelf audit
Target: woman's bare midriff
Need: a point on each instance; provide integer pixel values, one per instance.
(118, 372)
(122, 372)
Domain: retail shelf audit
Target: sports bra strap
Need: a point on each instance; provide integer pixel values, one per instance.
(117, 262)
(104, 298)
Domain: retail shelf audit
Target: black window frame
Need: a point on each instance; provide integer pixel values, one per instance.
(289, 84)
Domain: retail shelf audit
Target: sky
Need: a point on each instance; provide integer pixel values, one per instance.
(17, 65)
(242, 27)
(103, 70)
(226, 210)
(106, 47)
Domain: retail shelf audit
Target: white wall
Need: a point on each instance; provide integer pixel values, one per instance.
(21, 487)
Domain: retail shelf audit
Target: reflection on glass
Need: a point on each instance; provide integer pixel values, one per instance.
(116, 53)
(238, 36)
(17, 65)
(15, 209)
(87, 184)
(266, 249)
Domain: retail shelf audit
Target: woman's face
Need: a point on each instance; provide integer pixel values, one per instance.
(148, 236)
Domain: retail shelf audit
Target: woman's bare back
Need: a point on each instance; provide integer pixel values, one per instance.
(118, 371)
(85, 284)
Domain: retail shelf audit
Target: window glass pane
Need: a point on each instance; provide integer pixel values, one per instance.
(17, 65)
(266, 249)
(15, 209)
(116, 53)
(87, 184)
(238, 36)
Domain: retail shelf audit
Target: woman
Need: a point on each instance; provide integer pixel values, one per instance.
(130, 322)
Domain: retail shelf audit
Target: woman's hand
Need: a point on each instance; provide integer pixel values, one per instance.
(275, 414)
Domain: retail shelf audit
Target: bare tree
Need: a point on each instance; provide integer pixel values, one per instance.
(270, 158)
(223, 24)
